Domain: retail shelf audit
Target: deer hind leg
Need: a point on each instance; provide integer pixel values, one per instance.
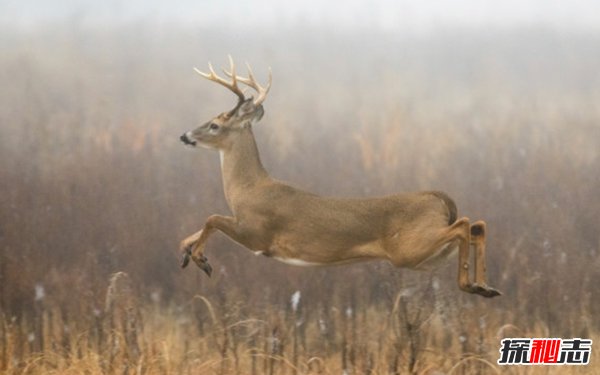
(478, 232)
(461, 231)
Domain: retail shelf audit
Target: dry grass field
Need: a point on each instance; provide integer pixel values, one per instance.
(96, 191)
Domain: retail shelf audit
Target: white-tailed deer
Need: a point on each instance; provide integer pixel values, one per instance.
(412, 230)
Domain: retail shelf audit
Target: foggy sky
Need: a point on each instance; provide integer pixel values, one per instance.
(412, 16)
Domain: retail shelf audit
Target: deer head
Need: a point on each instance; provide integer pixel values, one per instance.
(221, 131)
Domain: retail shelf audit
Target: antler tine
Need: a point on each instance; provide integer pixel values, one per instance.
(207, 76)
(251, 74)
(231, 72)
(262, 91)
(268, 84)
(230, 85)
(251, 81)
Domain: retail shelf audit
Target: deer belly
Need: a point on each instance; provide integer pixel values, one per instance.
(297, 262)
(319, 257)
(287, 253)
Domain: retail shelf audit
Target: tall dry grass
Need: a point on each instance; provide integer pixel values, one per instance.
(97, 191)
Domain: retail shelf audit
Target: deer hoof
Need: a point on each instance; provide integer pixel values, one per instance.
(207, 268)
(485, 291)
(185, 257)
(202, 262)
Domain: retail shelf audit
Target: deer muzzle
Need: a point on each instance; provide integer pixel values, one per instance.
(186, 140)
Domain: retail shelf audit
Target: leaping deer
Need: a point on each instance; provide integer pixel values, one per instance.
(411, 230)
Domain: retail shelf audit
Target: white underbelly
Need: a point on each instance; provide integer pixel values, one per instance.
(297, 262)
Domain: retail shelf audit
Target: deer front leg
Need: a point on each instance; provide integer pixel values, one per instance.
(186, 247)
(193, 246)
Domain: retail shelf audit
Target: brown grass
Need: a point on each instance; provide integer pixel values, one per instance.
(97, 191)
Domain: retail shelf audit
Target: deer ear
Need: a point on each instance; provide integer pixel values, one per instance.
(249, 113)
(246, 108)
(259, 112)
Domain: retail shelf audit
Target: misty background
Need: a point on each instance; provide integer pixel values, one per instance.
(498, 104)
(384, 15)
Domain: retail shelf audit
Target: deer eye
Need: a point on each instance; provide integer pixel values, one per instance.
(213, 126)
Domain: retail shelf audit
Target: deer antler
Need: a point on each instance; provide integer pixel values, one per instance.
(212, 76)
(251, 82)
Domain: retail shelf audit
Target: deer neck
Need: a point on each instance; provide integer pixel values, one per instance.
(241, 166)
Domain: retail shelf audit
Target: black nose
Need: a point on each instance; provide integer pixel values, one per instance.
(184, 138)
